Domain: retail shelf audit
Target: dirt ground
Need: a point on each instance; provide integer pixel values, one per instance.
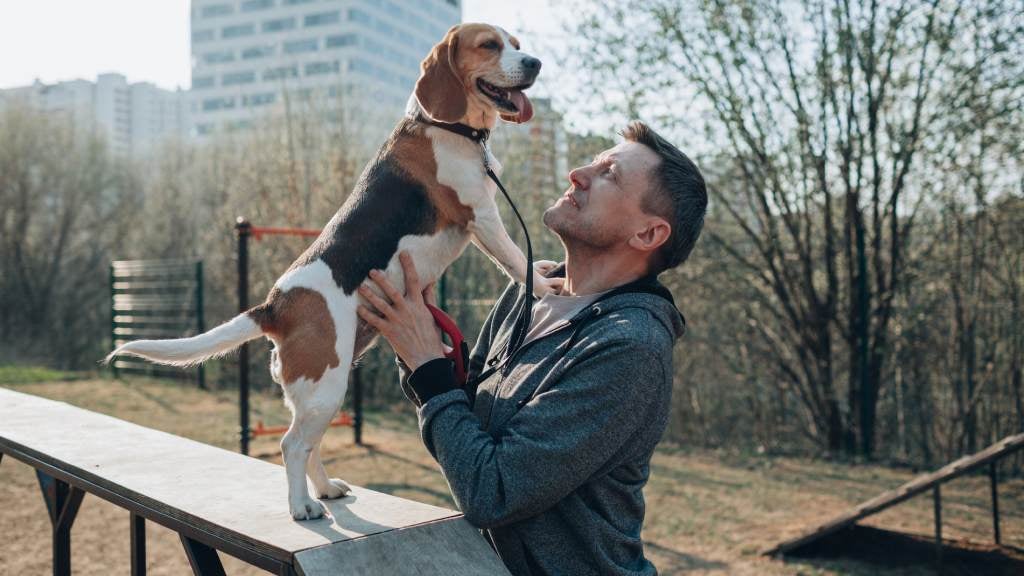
(708, 513)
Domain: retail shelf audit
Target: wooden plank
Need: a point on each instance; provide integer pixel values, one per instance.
(236, 499)
(902, 493)
(452, 547)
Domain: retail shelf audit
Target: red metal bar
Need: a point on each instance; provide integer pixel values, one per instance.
(258, 231)
(343, 419)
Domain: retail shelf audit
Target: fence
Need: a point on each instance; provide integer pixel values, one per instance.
(155, 299)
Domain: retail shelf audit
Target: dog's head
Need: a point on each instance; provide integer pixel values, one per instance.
(476, 72)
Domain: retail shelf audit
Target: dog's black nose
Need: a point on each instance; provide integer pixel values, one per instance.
(532, 64)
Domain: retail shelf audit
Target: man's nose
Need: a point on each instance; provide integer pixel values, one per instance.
(579, 179)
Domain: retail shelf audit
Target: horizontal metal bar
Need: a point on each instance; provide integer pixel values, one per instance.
(155, 332)
(141, 320)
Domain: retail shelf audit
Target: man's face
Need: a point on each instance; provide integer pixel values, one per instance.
(602, 207)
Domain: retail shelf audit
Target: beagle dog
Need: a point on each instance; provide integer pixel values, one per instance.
(425, 192)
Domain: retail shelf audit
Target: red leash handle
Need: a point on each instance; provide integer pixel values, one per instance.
(460, 350)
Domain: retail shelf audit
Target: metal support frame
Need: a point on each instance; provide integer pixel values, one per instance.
(62, 503)
(357, 405)
(63, 491)
(993, 482)
(200, 319)
(244, 230)
(937, 493)
(137, 529)
(203, 559)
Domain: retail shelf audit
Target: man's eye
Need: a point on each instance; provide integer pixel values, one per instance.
(490, 45)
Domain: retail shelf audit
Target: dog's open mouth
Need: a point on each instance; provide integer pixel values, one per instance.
(514, 105)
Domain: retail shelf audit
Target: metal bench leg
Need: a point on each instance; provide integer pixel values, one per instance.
(204, 560)
(138, 544)
(62, 502)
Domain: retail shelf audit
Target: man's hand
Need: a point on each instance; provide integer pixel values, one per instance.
(404, 321)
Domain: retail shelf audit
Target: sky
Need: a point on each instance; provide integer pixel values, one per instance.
(147, 40)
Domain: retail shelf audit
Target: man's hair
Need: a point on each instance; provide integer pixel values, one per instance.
(677, 194)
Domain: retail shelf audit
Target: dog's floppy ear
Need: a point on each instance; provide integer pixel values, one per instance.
(440, 90)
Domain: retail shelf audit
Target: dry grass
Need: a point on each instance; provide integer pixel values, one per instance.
(707, 513)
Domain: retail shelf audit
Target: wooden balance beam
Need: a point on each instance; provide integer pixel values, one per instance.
(220, 500)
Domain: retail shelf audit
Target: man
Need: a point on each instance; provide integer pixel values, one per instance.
(548, 451)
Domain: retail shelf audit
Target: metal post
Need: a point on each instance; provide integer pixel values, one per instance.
(357, 406)
(244, 230)
(442, 292)
(200, 320)
(113, 324)
(62, 503)
(995, 500)
(202, 558)
(138, 544)
(937, 492)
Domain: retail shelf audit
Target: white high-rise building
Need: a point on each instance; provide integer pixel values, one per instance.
(248, 54)
(131, 118)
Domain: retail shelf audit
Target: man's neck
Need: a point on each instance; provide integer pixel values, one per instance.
(592, 271)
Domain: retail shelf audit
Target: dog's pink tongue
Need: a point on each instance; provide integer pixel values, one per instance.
(523, 104)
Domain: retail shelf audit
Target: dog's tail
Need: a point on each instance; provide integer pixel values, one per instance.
(196, 349)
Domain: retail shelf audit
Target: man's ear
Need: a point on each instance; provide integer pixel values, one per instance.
(653, 236)
(440, 90)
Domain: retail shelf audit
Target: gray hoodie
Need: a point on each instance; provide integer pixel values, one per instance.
(549, 453)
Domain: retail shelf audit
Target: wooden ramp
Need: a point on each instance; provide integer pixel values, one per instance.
(916, 486)
(233, 503)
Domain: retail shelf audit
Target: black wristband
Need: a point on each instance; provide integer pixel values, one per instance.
(433, 379)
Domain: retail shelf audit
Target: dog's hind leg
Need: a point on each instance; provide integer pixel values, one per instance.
(314, 404)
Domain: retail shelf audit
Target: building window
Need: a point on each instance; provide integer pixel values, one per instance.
(215, 10)
(199, 36)
(315, 68)
(236, 31)
(322, 19)
(201, 82)
(218, 57)
(203, 129)
(279, 25)
(296, 2)
(300, 46)
(257, 52)
(342, 40)
(280, 72)
(395, 10)
(356, 15)
(253, 5)
(212, 104)
(235, 78)
(258, 99)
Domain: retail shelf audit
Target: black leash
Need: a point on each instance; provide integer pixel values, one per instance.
(525, 313)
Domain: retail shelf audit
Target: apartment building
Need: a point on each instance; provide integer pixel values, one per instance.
(132, 118)
(253, 56)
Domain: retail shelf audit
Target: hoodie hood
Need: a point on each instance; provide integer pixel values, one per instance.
(646, 293)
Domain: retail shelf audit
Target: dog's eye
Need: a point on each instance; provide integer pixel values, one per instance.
(490, 45)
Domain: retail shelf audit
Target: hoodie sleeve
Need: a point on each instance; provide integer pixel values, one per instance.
(554, 443)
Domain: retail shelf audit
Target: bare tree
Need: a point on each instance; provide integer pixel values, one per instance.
(825, 119)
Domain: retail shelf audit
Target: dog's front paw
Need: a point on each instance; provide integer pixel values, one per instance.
(307, 509)
(336, 488)
(542, 285)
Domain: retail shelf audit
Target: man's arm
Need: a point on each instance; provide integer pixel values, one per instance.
(481, 350)
(553, 444)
